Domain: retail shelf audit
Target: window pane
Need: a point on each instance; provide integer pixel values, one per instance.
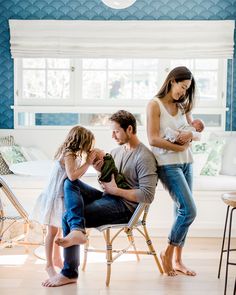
(34, 63)
(145, 64)
(33, 84)
(207, 85)
(94, 85)
(123, 64)
(120, 85)
(206, 64)
(58, 84)
(211, 120)
(145, 85)
(181, 62)
(98, 63)
(58, 63)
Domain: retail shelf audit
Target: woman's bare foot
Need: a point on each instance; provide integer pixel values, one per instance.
(167, 265)
(58, 280)
(58, 262)
(179, 266)
(50, 271)
(75, 237)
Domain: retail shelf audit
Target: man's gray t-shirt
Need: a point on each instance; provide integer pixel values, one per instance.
(140, 170)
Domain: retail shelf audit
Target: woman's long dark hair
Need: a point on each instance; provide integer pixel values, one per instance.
(180, 74)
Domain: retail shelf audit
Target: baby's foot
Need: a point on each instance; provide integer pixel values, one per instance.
(75, 237)
(58, 280)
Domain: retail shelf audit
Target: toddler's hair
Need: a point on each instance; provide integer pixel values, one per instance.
(78, 140)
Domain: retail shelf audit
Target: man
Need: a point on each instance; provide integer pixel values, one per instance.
(88, 207)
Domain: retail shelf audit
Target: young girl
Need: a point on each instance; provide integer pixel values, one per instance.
(50, 206)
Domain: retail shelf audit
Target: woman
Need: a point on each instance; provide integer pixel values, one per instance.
(171, 108)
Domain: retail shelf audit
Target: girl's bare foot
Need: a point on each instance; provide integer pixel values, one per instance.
(50, 271)
(179, 266)
(58, 280)
(167, 265)
(75, 237)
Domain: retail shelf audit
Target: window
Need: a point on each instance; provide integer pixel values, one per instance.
(64, 92)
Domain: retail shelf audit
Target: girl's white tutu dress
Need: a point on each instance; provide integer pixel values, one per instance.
(49, 206)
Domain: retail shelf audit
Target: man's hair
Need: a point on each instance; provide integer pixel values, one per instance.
(124, 119)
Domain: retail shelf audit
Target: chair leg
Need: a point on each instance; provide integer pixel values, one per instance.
(223, 241)
(108, 256)
(131, 239)
(228, 250)
(86, 246)
(152, 250)
(234, 293)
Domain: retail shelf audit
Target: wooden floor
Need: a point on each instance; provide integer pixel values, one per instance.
(22, 273)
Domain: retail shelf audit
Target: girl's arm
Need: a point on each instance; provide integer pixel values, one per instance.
(73, 168)
(153, 130)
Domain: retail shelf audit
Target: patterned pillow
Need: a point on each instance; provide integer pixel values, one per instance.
(12, 154)
(4, 169)
(5, 141)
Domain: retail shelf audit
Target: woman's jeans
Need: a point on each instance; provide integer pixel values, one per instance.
(177, 178)
(86, 206)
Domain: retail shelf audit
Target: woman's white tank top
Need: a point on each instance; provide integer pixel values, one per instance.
(173, 122)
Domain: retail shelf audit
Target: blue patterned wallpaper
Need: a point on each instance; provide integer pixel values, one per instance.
(96, 10)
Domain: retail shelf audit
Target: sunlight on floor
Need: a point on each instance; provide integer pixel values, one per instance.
(13, 259)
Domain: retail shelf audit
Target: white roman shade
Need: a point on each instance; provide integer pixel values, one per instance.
(137, 39)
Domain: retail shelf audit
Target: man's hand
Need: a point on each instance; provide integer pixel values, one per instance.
(110, 187)
(184, 137)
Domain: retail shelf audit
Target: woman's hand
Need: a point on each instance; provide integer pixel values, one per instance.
(181, 148)
(184, 137)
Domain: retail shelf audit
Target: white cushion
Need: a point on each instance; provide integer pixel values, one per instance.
(33, 168)
(214, 183)
(33, 153)
(228, 166)
(25, 182)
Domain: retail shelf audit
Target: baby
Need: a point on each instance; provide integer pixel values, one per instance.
(196, 127)
(108, 168)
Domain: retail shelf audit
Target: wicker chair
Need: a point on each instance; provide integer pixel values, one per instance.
(134, 224)
(7, 222)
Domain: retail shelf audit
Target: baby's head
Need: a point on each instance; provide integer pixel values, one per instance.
(99, 154)
(198, 124)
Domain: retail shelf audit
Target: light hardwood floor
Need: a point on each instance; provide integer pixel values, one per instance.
(22, 273)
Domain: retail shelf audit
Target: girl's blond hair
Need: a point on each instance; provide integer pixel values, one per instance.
(78, 140)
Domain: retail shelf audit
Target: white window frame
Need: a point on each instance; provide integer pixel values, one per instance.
(77, 104)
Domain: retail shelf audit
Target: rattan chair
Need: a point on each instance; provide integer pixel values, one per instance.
(8, 221)
(135, 223)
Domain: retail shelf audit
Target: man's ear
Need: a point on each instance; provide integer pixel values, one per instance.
(130, 129)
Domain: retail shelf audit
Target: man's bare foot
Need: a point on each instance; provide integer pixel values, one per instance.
(50, 271)
(179, 266)
(58, 280)
(75, 237)
(167, 265)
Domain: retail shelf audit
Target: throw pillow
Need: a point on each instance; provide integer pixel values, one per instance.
(7, 140)
(4, 169)
(228, 166)
(12, 154)
(213, 163)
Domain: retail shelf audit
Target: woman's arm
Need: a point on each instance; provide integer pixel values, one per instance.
(74, 169)
(153, 130)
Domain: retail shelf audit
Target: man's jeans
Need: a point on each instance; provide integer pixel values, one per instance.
(177, 178)
(86, 206)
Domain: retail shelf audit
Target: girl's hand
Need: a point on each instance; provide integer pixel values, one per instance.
(97, 165)
(91, 157)
(184, 137)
